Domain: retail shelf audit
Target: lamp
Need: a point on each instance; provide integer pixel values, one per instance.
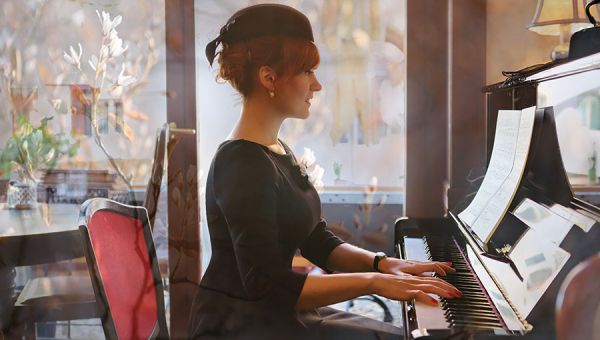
(562, 18)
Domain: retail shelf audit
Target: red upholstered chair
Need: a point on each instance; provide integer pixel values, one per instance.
(70, 297)
(125, 276)
(578, 303)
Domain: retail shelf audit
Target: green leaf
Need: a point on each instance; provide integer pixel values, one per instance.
(35, 147)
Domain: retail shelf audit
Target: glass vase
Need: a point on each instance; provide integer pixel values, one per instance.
(21, 194)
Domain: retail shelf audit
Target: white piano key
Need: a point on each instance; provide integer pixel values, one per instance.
(428, 317)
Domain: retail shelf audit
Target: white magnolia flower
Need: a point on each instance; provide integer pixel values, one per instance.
(308, 157)
(113, 34)
(107, 23)
(116, 47)
(73, 58)
(122, 81)
(93, 62)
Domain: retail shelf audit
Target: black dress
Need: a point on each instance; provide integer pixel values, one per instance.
(260, 208)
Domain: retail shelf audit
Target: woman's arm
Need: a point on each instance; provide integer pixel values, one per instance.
(348, 258)
(323, 290)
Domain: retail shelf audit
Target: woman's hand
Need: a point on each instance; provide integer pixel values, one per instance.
(406, 287)
(396, 266)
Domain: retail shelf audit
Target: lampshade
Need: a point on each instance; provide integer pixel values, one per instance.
(551, 14)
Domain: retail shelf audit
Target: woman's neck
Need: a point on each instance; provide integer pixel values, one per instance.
(259, 122)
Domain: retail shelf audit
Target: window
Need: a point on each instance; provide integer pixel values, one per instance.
(50, 58)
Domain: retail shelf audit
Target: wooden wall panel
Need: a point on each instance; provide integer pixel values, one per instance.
(467, 111)
(184, 239)
(426, 140)
(446, 43)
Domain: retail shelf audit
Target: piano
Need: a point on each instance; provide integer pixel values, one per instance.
(506, 297)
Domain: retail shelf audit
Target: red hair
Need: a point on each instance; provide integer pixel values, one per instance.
(239, 62)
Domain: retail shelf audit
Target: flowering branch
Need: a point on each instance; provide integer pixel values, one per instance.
(112, 47)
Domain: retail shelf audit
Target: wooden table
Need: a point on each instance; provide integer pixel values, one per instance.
(46, 234)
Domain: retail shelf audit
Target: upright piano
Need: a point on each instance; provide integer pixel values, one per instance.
(510, 282)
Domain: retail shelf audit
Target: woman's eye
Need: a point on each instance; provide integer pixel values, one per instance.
(309, 72)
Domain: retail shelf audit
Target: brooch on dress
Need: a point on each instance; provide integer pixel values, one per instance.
(301, 176)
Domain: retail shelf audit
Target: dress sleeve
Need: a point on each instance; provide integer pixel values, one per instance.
(319, 244)
(245, 190)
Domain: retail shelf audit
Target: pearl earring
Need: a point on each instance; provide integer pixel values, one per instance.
(272, 94)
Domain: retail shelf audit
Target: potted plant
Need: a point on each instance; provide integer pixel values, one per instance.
(29, 150)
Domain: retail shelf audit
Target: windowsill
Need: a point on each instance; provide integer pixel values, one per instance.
(333, 195)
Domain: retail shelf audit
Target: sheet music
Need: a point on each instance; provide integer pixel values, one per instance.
(507, 164)
(500, 165)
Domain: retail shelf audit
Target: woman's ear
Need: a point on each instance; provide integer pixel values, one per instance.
(267, 77)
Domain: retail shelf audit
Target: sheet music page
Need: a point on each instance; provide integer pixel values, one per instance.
(511, 148)
(501, 163)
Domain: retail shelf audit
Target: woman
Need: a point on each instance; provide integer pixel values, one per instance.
(261, 206)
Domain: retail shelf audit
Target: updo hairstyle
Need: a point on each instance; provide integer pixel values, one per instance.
(239, 62)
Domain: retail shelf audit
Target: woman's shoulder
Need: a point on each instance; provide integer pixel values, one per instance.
(240, 148)
(242, 153)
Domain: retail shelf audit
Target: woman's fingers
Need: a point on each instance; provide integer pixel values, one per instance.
(437, 290)
(448, 286)
(440, 268)
(415, 287)
(436, 282)
(435, 267)
(419, 295)
(447, 266)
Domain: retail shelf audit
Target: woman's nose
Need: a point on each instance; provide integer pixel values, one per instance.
(316, 86)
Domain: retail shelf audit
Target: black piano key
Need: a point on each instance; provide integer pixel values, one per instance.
(466, 294)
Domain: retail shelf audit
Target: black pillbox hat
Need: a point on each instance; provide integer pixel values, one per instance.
(261, 21)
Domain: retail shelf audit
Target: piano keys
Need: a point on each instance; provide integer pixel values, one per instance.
(484, 310)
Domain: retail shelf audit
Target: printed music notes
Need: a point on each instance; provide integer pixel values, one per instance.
(514, 130)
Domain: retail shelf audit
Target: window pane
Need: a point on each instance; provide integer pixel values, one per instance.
(83, 85)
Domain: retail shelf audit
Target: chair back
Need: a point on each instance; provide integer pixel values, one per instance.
(125, 276)
(155, 180)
